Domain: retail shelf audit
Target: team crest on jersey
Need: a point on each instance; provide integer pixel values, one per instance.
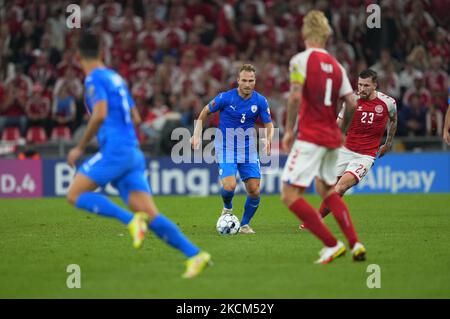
(254, 108)
(379, 109)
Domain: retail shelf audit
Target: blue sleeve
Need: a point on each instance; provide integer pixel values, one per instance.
(95, 93)
(264, 110)
(218, 103)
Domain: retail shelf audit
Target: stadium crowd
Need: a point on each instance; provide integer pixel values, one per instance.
(176, 55)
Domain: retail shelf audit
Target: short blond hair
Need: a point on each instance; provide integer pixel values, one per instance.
(316, 27)
(247, 67)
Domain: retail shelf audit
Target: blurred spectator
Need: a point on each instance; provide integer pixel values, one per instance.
(407, 76)
(12, 112)
(38, 109)
(434, 121)
(64, 108)
(226, 21)
(143, 67)
(436, 79)
(418, 88)
(419, 58)
(42, 72)
(412, 118)
(51, 52)
(155, 119)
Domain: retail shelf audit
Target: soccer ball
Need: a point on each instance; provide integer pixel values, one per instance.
(228, 224)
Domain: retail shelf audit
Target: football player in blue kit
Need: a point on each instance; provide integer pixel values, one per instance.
(234, 142)
(113, 117)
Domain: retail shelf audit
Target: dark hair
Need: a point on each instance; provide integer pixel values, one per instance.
(89, 45)
(369, 73)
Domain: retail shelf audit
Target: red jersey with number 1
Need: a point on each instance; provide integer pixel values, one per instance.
(324, 81)
(369, 123)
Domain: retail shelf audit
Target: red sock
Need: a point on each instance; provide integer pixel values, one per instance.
(312, 221)
(323, 210)
(342, 215)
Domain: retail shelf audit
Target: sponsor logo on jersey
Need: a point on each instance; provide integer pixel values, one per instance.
(254, 108)
(233, 107)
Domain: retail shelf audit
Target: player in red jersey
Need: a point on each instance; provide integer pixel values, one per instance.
(318, 85)
(362, 146)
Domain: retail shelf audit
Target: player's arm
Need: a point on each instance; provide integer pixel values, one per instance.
(293, 105)
(136, 117)
(269, 136)
(340, 117)
(391, 129)
(348, 112)
(198, 129)
(99, 113)
(215, 105)
(268, 125)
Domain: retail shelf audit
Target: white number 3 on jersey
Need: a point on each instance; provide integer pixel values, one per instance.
(243, 118)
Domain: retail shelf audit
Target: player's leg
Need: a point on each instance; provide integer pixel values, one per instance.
(333, 200)
(227, 174)
(252, 186)
(135, 191)
(344, 158)
(351, 169)
(301, 167)
(251, 175)
(95, 172)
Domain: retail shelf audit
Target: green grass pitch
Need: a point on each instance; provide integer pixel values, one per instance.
(408, 236)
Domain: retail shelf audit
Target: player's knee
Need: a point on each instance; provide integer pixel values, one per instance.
(229, 186)
(341, 188)
(254, 192)
(286, 198)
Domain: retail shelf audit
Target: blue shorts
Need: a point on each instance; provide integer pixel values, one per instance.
(246, 170)
(124, 170)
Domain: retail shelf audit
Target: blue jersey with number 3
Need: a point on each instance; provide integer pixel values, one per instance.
(117, 131)
(238, 113)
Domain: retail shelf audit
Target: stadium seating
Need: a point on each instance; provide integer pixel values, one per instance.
(11, 134)
(36, 135)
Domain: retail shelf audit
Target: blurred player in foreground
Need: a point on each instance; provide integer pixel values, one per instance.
(318, 85)
(374, 112)
(234, 142)
(119, 161)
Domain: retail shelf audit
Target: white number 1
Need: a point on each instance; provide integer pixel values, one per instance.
(328, 87)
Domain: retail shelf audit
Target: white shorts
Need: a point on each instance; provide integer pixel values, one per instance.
(306, 161)
(354, 163)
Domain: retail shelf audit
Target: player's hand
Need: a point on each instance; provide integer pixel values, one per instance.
(446, 137)
(383, 150)
(288, 140)
(74, 154)
(195, 142)
(267, 145)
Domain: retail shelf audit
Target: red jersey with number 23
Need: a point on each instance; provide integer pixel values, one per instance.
(324, 81)
(369, 123)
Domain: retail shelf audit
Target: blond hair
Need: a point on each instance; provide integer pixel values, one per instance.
(247, 67)
(316, 28)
